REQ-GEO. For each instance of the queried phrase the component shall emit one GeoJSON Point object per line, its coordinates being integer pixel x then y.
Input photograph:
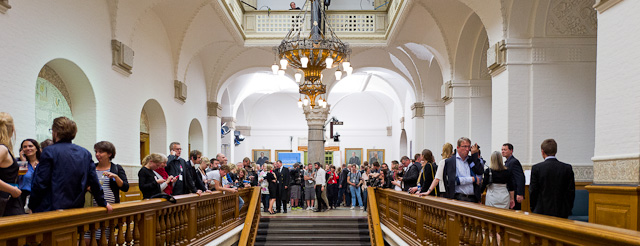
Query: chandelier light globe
{"type": "Point", "coordinates": [338, 74]}
{"type": "Point", "coordinates": [299, 103]}
{"type": "Point", "coordinates": [283, 63]}
{"type": "Point", "coordinates": [329, 62]}
{"type": "Point", "coordinates": [305, 102]}
{"type": "Point", "coordinates": [275, 68]}
{"type": "Point", "coordinates": [349, 70]}
{"type": "Point", "coordinates": [298, 77]}
{"type": "Point", "coordinates": [345, 65]}
{"type": "Point", "coordinates": [281, 72]}
{"type": "Point", "coordinates": [304, 61]}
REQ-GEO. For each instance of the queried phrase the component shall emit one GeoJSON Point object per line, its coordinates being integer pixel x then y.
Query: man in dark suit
{"type": "Point", "coordinates": [552, 187]}
{"type": "Point", "coordinates": [178, 167]}
{"type": "Point", "coordinates": [283, 178]}
{"type": "Point", "coordinates": [195, 158]}
{"type": "Point", "coordinates": [343, 186]}
{"type": "Point", "coordinates": [410, 178]}
{"type": "Point", "coordinates": [462, 173]}
{"type": "Point", "coordinates": [517, 174]}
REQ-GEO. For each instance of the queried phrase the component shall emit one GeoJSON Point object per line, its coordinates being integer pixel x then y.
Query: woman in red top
{"type": "Point", "coordinates": [332, 186]}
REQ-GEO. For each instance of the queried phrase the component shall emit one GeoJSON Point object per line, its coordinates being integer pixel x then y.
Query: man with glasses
{"type": "Point", "coordinates": [462, 173]}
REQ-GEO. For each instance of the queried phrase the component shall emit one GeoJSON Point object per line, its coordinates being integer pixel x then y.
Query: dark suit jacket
{"type": "Point", "coordinates": [118, 170]}
{"type": "Point", "coordinates": [449, 175]}
{"type": "Point", "coordinates": [342, 180]}
{"type": "Point", "coordinates": [517, 174]}
{"type": "Point", "coordinates": [196, 178]}
{"type": "Point", "coordinates": [176, 167]}
{"type": "Point", "coordinates": [552, 188]}
{"type": "Point", "coordinates": [411, 176]}
{"type": "Point", "coordinates": [283, 178]}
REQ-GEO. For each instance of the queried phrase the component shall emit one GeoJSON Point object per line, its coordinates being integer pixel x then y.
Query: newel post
{"type": "Point", "coordinates": [149, 221]}
{"type": "Point", "coordinates": [453, 229]}
{"type": "Point", "coordinates": [193, 222]}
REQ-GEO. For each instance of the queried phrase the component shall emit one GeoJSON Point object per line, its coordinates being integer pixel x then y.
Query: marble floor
{"type": "Point", "coordinates": [339, 212]}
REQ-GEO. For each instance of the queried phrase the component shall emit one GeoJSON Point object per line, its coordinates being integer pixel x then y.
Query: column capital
{"type": "Point", "coordinates": [418, 110]}
{"type": "Point", "coordinates": [231, 122]}
{"type": "Point", "coordinates": [316, 116]}
{"type": "Point", "coordinates": [214, 109]}
{"type": "Point", "coordinates": [122, 57]}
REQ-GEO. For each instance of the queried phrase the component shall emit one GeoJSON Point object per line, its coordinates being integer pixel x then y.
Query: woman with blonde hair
{"type": "Point", "coordinates": [271, 179]}
{"type": "Point", "coordinates": [499, 184]}
{"type": "Point", "coordinates": [447, 152]}
{"type": "Point", "coordinates": [149, 181]}
{"type": "Point", "coordinates": [9, 191]}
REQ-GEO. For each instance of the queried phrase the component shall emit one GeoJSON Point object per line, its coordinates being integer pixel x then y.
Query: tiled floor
{"type": "Point", "coordinates": [340, 212]}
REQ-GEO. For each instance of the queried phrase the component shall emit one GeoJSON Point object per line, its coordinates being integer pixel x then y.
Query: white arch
{"type": "Point", "coordinates": [157, 126]}
{"type": "Point", "coordinates": [196, 137]}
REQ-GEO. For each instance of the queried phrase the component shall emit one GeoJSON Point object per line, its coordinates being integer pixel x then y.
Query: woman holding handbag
{"type": "Point", "coordinates": [427, 175]}
{"type": "Point", "coordinates": [9, 192]}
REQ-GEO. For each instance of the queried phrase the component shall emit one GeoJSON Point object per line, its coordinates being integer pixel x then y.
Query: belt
{"type": "Point", "coordinates": [464, 195]}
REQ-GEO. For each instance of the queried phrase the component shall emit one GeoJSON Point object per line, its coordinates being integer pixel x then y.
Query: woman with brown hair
{"type": "Point", "coordinates": [111, 175]}
{"type": "Point", "coordinates": [447, 152]}
{"type": "Point", "coordinates": [9, 192]}
{"type": "Point", "coordinates": [30, 152]}
{"type": "Point", "coordinates": [428, 173]}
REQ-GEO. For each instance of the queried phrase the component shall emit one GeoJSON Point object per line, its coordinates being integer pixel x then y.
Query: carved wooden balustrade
{"type": "Point", "coordinates": [192, 220]}
{"type": "Point", "coordinates": [250, 229]}
{"type": "Point", "coordinates": [440, 221]}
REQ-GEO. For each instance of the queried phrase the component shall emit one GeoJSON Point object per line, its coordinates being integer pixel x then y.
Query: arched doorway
{"type": "Point", "coordinates": [196, 139]}
{"type": "Point", "coordinates": [153, 129]}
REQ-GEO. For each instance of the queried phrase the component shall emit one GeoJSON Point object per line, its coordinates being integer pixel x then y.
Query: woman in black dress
{"type": "Point", "coordinates": [8, 169]}
{"type": "Point", "coordinates": [271, 178]}
{"type": "Point", "coordinates": [149, 182]}
{"type": "Point", "coordinates": [428, 173]}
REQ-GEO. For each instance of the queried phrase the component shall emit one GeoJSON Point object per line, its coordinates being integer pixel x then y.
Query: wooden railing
{"type": "Point", "coordinates": [440, 221]}
{"type": "Point", "coordinates": [250, 229]}
{"type": "Point", "coordinates": [192, 220]}
{"type": "Point", "coordinates": [375, 233]}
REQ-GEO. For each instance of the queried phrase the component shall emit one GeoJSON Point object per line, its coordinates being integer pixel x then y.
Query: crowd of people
{"type": "Point", "coordinates": [60, 175]}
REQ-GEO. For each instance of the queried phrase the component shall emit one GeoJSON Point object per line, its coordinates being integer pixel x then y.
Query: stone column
{"type": "Point", "coordinates": [468, 112]}
{"type": "Point", "coordinates": [214, 110]}
{"type": "Point", "coordinates": [316, 117]}
{"type": "Point", "coordinates": [614, 199]}
{"type": "Point", "coordinates": [228, 139]}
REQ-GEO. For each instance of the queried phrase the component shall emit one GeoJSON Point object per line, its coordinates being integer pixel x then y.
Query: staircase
{"type": "Point", "coordinates": [313, 231]}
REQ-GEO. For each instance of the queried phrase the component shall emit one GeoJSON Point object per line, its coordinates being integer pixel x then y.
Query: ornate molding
{"type": "Point", "coordinates": [245, 130]}
{"type": "Point", "coordinates": [180, 90]}
{"type": "Point", "coordinates": [418, 110]}
{"type": "Point", "coordinates": [571, 18]}
{"type": "Point", "coordinates": [231, 122]}
{"type": "Point", "coordinates": [316, 116]}
{"type": "Point", "coordinates": [583, 173]}
{"type": "Point", "coordinates": [603, 5]}
{"type": "Point", "coordinates": [4, 6]}
{"type": "Point", "coordinates": [616, 170]}
{"type": "Point", "coordinates": [389, 131]}
{"type": "Point", "coordinates": [52, 76]}
{"type": "Point", "coordinates": [446, 91]}
{"type": "Point", "coordinates": [563, 54]}
{"type": "Point", "coordinates": [214, 109]}
{"type": "Point", "coordinates": [122, 57]}
{"type": "Point", "coordinates": [497, 58]}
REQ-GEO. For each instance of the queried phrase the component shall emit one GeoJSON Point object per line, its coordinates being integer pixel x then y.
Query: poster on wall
{"type": "Point", "coordinates": [353, 156]}
{"type": "Point", "coordinates": [375, 155]}
{"type": "Point", "coordinates": [278, 152]}
{"type": "Point", "coordinates": [260, 156]}
{"type": "Point", "coordinates": [288, 158]}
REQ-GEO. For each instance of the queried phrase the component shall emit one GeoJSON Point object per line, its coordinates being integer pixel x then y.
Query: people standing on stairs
{"type": "Point", "coordinates": [343, 187]}
{"type": "Point", "coordinates": [296, 184]}
{"type": "Point", "coordinates": [282, 193]}
{"type": "Point", "coordinates": [264, 189]}
{"type": "Point", "coordinates": [309, 187]}
{"type": "Point", "coordinates": [513, 164]}
{"type": "Point", "coordinates": [271, 179]}
{"type": "Point", "coordinates": [332, 187]}
{"type": "Point", "coordinates": [321, 182]}
{"type": "Point", "coordinates": [498, 183]}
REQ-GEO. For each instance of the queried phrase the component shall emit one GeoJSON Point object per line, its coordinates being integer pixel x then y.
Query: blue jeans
{"type": "Point", "coordinates": [240, 202]}
{"type": "Point", "coordinates": [355, 192]}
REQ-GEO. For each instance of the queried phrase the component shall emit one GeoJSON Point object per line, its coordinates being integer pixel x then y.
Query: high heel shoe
{"type": "Point", "coordinates": [271, 212]}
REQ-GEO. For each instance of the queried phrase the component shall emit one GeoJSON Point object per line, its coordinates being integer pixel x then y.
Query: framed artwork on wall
{"type": "Point", "coordinates": [261, 155]}
{"type": "Point", "coordinates": [374, 155]}
{"type": "Point", "coordinates": [278, 152]}
{"type": "Point", "coordinates": [353, 156]}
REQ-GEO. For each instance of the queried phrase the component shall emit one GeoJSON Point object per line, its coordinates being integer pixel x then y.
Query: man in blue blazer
{"type": "Point", "coordinates": [552, 187]}
{"type": "Point", "coordinates": [463, 173]}
{"type": "Point", "coordinates": [517, 174]}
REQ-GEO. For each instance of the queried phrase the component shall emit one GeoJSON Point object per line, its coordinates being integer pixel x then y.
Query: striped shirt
{"type": "Point", "coordinates": [104, 183]}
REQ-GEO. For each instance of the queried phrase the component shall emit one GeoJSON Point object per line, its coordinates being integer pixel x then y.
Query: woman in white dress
{"type": "Point", "coordinates": [499, 184]}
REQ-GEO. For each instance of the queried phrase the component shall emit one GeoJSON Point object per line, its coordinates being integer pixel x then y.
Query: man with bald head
{"type": "Point", "coordinates": [222, 158]}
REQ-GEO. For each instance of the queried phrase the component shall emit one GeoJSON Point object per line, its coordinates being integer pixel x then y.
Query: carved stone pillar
{"type": "Point", "coordinates": [316, 117]}
{"type": "Point", "coordinates": [214, 110]}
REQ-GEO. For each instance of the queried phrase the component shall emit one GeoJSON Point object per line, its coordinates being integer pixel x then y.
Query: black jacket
{"type": "Point", "coordinates": [176, 167]}
{"type": "Point", "coordinates": [552, 188]}
{"type": "Point", "coordinates": [517, 174]}
{"type": "Point", "coordinates": [118, 170]}
{"type": "Point", "coordinates": [449, 175]}
{"type": "Point", "coordinates": [196, 177]}
{"type": "Point", "coordinates": [283, 178]}
{"type": "Point", "coordinates": [410, 178]}
{"type": "Point", "coordinates": [428, 174]}
{"type": "Point", "coordinates": [342, 180]}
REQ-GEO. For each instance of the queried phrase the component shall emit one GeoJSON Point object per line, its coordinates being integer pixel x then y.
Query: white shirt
{"type": "Point", "coordinates": [320, 177]}
{"type": "Point", "coordinates": [439, 174]}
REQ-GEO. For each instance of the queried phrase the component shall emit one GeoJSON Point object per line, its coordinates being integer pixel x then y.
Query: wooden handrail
{"type": "Point", "coordinates": [440, 221]}
{"type": "Point", "coordinates": [375, 232]}
{"type": "Point", "coordinates": [250, 229]}
{"type": "Point", "coordinates": [192, 220]}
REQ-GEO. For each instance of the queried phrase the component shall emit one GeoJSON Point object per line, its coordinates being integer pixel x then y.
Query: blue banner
{"type": "Point", "coordinates": [288, 158]}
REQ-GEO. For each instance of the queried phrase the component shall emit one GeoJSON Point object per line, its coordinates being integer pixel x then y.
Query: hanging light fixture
{"type": "Point", "coordinates": [299, 103]}
{"type": "Point", "coordinates": [338, 74]}
{"type": "Point", "coordinates": [298, 77]}
{"type": "Point", "coordinates": [313, 52]}
{"type": "Point", "coordinates": [275, 68]}
{"type": "Point", "coordinates": [349, 70]}
{"type": "Point", "coordinates": [281, 72]}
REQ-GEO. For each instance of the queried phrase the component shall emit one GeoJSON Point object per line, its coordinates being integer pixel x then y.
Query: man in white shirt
{"type": "Point", "coordinates": [321, 182]}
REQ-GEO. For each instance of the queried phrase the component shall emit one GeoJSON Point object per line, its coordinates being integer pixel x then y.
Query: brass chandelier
{"type": "Point", "coordinates": [311, 54]}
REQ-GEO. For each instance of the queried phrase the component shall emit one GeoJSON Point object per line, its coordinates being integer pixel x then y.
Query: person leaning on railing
{"type": "Point", "coordinates": [149, 181]}
{"type": "Point", "coordinates": [64, 172]}
{"type": "Point", "coordinates": [447, 151]}
{"type": "Point", "coordinates": [9, 192]}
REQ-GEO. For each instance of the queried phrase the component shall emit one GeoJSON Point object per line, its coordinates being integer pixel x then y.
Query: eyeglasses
{"type": "Point", "coordinates": [465, 146]}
